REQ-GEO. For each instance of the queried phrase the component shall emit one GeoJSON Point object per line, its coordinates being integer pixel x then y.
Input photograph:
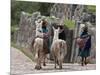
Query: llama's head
{"type": "Point", "coordinates": [56, 33]}
{"type": "Point", "coordinates": [39, 24]}
{"type": "Point", "coordinates": [39, 28]}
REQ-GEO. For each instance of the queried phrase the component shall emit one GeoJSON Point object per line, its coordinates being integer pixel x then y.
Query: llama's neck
{"type": "Point", "coordinates": [38, 33]}
{"type": "Point", "coordinates": [55, 37]}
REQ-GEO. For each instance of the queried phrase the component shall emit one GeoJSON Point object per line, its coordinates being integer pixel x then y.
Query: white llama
{"type": "Point", "coordinates": [58, 48]}
{"type": "Point", "coordinates": [38, 46]}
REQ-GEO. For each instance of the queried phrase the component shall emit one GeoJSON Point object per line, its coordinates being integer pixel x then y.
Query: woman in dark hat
{"type": "Point", "coordinates": [62, 32]}
{"type": "Point", "coordinates": [85, 51]}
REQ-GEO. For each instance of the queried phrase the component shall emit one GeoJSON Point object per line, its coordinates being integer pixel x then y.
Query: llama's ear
{"type": "Point", "coordinates": [36, 22]}
{"type": "Point", "coordinates": [58, 28]}
{"type": "Point", "coordinates": [41, 22]}
{"type": "Point", "coordinates": [53, 28]}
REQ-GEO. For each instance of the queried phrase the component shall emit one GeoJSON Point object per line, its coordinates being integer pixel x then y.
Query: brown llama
{"type": "Point", "coordinates": [40, 53]}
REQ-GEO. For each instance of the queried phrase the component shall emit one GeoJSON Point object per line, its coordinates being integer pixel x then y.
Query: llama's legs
{"type": "Point", "coordinates": [44, 64]}
{"type": "Point", "coordinates": [55, 60]}
{"type": "Point", "coordinates": [38, 65]}
{"type": "Point", "coordinates": [60, 66]}
{"type": "Point", "coordinates": [60, 62]}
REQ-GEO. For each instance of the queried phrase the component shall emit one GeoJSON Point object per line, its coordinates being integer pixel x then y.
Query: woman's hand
{"type": "Point", "coordinates": [45, 35]}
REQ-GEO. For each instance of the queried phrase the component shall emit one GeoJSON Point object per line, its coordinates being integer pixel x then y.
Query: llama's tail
{"type": "Point", "coordinates": [63, 47]}
{"type": "Point", "coordinates": [36, 51]}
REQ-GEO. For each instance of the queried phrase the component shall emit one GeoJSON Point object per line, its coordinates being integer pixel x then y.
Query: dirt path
{"type": "Point", "coordinates": [21, 64]}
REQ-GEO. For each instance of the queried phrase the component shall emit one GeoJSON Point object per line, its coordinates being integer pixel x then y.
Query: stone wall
{"type": "Point", "coordinates": [26, 31]}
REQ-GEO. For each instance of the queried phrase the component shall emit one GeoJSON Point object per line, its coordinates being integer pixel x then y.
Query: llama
{"type": "Point", "coordinates": [58, 49]}
{"type": "Point", "coordinates": [38, 34]}
{"type": "Point", "coordinates": [40, 54]}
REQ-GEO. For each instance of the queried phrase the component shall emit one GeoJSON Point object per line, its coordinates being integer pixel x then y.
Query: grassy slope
{"type": "Point", "coordinates": [27, 52]}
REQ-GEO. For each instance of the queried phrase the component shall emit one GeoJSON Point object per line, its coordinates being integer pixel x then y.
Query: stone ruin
{"type": "Point", "coordinates": [26, 31]}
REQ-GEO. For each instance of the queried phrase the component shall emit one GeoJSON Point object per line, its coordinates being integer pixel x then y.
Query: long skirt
{"type": "Point", "coordinates": [84, 52]}
{"type": "Point", "coordinates": [46, 45]}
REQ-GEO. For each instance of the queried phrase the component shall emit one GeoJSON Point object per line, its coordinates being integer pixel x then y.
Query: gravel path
{"type": "Point", "coordinates": [21, 64]}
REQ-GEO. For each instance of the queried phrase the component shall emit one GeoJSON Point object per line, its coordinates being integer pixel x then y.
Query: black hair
{"type": "Point", "coordinates": [85, 29]}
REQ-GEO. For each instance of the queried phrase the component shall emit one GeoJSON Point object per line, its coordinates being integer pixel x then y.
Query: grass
{"type": "Point", "coordinates": [91, 8]}
{"type": "Point", "coordinates": [14, 28]}
{"type": "Point", "coordinates": [27, 52]}
{"type": "Point", "coordinates": [70, 24]}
